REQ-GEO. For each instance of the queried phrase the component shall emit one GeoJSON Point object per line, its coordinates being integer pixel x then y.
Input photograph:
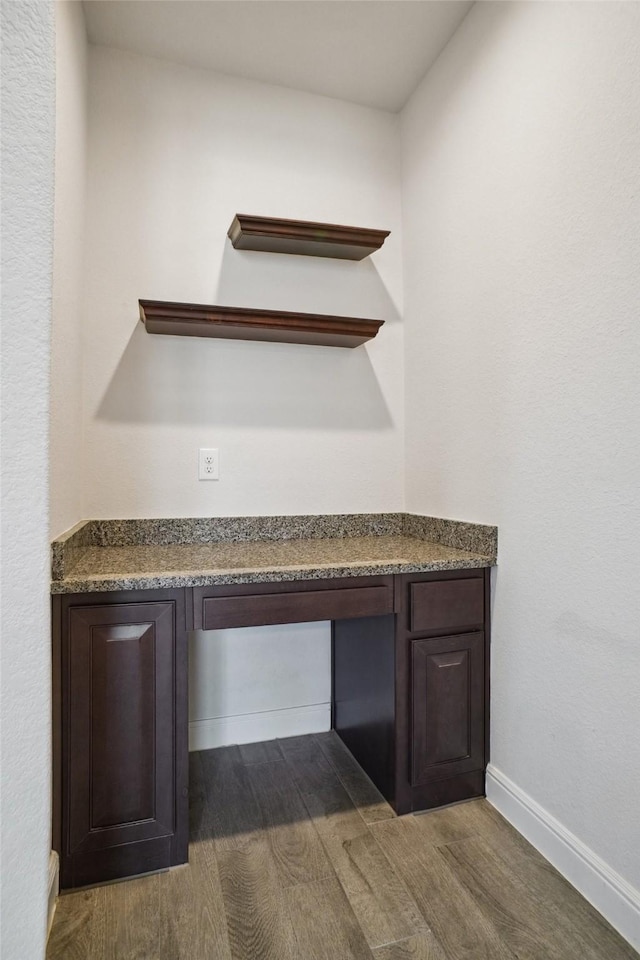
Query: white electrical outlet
{"type": "Point", "coordinates": [208, 464]}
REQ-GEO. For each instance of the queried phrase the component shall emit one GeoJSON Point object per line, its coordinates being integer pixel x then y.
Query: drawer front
{"type": "Point", "coordinates": [441, 605]}
{"type": "Point", "coordinates": [218, 613]}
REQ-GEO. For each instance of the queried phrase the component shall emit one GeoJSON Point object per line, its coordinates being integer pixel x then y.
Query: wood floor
{"type": "Point", "coordinates": [295, 856]}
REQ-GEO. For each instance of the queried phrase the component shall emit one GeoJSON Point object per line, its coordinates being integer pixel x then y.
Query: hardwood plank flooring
{"type": "Point", "coordinates": [384, 908]}
{"type": "Point", "coordinates": [295, 856]}
{"type": "Point", "coordinates": [260, 752]}
{"type": "Point", "coordinates": [365, 796]}
{"type": "Point", "coordinates": [132, 919]}
{"type": "Point", "coordinates": [423, 947]}
{"type": "Point", "coordinates": [326, 927]}
{"type": "Point", "coordinates": [464, 932]}
{"type": "Point", "coordinates": [472, 819]}
{"type": "Point", "coordinates": [231, 816]}
{"type": "Point", "coordinates": [520, 918]}
{"type": "Point", "coordinates": [192, 910]}
{"type": "Point", "coordinates": [73, 932]}
{"type": "Point", "coordinates": [258, 920]}
{"type": "Point", "coordinates": [295, 845]}
{"type": "Point", "coordinates": [575, 918]}
{"type": "Point", "coordinates": [198, 803]}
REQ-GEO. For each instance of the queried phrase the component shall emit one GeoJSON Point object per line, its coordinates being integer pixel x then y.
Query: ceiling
{"type": "Point", "coordinates": [372, 52]}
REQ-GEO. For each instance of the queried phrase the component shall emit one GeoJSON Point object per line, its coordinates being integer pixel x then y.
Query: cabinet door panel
{"type": "Point", "coordinates": [122, 772]}
{"type": "Point", "coordinates": [447, 679]}
{"type": "Point", "coordinates": [121, 776]}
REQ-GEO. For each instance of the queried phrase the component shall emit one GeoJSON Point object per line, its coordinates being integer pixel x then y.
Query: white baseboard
{"type": "Point", "coordinates": [54, 872]}
{"type": "Point", "coordinates": [605, 889]}
{"type": "Point", "coordinates": [251, 727]}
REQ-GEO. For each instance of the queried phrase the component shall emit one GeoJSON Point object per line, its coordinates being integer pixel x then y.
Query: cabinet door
{"type": "Point", "coordinates": [123, 747]}
{"type": "Point", "coordinates": [447, 689]}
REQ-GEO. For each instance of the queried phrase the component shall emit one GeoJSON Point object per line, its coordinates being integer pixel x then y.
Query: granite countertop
{"type": "Point", "coordinates": [109, 555]}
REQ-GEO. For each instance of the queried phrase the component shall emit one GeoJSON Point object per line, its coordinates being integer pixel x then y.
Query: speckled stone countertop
{"type": "Point", "coordinates": [102, 555]}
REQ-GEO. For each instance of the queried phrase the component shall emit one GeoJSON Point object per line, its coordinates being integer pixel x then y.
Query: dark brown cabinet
{"type": "Point", "coordinates": [124, 786]}
{"type": "Point", "coordinates": [447, 707]}
{"type": "Point", "coordinates": [436, 606]}
{"type": "Point", "coordinates": [410, 700]}
{"type": "Point", "coordinates": [249, 605]}
{"type": "Point", "coordinates": [411, 697]}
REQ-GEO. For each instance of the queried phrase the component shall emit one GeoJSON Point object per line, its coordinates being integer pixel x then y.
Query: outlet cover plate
{"type": "Point", "coordinates": [208, 464]}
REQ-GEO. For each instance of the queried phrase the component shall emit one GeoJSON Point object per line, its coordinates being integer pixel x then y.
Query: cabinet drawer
{"type": "Point", "coordinates": [446, 604]}
{"type": "Point", "coordinates": [289, 606]}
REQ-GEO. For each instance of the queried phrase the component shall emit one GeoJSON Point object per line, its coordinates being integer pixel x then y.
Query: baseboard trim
{"type": "Point", "coordinates": [251, 727]}
{"type": "Point", "coordinates": [54, 886]}
{"type": "Point", "coordinates": [605, 889]}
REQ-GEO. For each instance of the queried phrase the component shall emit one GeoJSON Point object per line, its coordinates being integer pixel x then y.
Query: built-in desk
{"type": "Point", "coordinates": [410, 661]}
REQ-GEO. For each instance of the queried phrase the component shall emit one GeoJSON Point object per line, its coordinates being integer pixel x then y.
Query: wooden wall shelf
{"type": "Point", "coordinates": [239, 323]}
{"type": "Point", "coordinates": [272, 235]}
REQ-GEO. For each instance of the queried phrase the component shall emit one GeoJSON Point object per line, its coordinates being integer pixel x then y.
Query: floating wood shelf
{"type": "Point", "coordinates": [238, 323]}
{"type": "Point", "coordinates": [272, 235]}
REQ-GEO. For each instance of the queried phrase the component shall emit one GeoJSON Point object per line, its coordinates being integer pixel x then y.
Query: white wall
{"type": "Point", "coordinates": [66, 341]}
{"type": "Point", "coordinates": [522, 267]}
{"type": "Point", "coordinates": [173, 154]}
{"type": "Point", "coordinates": [259, 683]}
{"type": "Point", "coordinates": [28, 100]}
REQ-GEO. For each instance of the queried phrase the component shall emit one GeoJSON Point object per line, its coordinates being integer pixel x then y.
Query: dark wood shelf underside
{"type": "Point", "coordinates": [239, 323]}
{"type": "Point", "coordinates": [272, 235]}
